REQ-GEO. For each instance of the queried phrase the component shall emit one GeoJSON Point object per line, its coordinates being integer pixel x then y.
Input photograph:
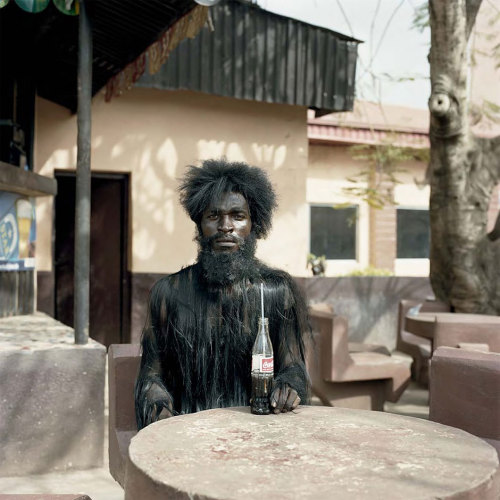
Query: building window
{"type": "Point", "coordinates": [413, 233]}
{"type": "Point", "coordinates": [333, 232]}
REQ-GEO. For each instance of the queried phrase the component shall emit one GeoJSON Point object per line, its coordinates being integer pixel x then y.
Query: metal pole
{"type": "Point", "coordinates": [82, 207]}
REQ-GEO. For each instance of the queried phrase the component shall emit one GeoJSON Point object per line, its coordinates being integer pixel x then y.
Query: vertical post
{"type": "Point", "coordinates": [82, 208]}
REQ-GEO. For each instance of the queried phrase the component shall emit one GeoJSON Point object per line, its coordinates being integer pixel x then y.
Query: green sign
{"type": "Point", "coordinates": [68, 7]}
{"type": "Point", "coordinates": [33, 6]}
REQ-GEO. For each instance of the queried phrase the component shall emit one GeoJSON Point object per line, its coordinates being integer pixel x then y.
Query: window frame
{"type": "Point", "coordinates": [356, 229]}
{"type": "Point", "coordinates": [414, 208]}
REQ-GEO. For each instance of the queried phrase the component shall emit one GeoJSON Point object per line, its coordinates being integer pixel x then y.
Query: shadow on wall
{"type": "Point", "coordinates": [370, 303]}
{"type": "Point", "coordinates": [154, 135]}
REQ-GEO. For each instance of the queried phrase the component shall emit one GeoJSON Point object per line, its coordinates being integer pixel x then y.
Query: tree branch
{"type": "Point", "coordinates": [494, 234]}
{"type": "Point", "coordinates": [444, 108]}
{"type": "Point", "coordinates": [494, 160]}
{"type": "Point", "coordinates": [471, 9]}
{"type": "Point", "coordinates": [495, 151]}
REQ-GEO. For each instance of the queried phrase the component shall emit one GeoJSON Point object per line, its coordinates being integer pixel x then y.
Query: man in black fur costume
{"type": "Point", "coordinates": [202, 322]}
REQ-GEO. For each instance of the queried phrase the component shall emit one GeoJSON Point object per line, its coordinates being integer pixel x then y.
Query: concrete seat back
{"type": "Point", "coordinates": [465, 391]}
{"type": "Point", "coordinates": [402, 343]}
{"type": "Point", "coordinates": [340, 375]}
{"type": "Point", "coordinates": [434, 306]}
{"type": "Point", "coordinates": [451, 334]}
{"type": "Point", "coordinates": [123, 366]}
{"type": "Point", "coordinates": [417, 347]}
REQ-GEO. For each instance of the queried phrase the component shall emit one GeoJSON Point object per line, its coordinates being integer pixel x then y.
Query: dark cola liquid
{"type": "Point", "coordinates": [261, 393]}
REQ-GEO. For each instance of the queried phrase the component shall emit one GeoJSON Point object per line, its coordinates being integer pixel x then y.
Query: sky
{"type": "Point", "coordinates": [391, 50]}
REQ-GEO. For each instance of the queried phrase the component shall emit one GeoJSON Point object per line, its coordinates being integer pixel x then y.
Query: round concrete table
{"type": "Point", "coordinates": [315, 453]}
{"type": "Point", "coordinates": [422, 324]}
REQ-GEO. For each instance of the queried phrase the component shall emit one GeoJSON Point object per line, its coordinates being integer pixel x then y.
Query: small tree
{"type": "Point", "coordinates": [375, 185]}
{"type": "Point", "coordinates": [463, 171]}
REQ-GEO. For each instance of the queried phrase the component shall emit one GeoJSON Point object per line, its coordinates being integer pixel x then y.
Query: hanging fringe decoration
{"type": "Point", "coordinates": [126, 78]}
{"type": "Point", "coordinates": [186, 27]}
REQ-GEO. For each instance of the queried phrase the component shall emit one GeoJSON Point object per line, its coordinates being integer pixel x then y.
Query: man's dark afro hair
{"type": "Point", "coordinates": [203, 185]}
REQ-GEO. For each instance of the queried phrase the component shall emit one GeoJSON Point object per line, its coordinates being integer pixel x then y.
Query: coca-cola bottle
{"type": "Point", "coordinates": [262, 370]}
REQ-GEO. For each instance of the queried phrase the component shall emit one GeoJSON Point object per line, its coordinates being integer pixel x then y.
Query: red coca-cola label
{"type": "Point", "coordinates": [267, 365]}
{"type": "Point", "coordinates": [262, 364]}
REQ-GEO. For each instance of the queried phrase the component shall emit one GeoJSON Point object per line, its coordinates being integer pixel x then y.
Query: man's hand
{"type": "Point", "coordinates": [163, 406]}
{"type": "Point", "coordinates": [284, 399]}
{"type": "Point", "coordinates": [165, 412]}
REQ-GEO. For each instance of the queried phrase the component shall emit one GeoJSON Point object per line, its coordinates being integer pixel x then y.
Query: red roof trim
{"type": "Point", "coordinates": [357, 135]}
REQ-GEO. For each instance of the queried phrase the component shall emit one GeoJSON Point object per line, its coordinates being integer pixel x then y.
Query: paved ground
{"type": "Point", "coordinates": [99, 485]}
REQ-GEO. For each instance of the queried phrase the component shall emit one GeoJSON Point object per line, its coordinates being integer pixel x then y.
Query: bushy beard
{"type": "Point", "coordinates": [226, 268]}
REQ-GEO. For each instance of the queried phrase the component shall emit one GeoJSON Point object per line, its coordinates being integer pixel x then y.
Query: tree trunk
{"type": "Point", "coordinates": [464, 170]}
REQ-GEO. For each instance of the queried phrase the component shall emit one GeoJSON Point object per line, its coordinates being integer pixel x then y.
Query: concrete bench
{"type": "Point", "coordinates": [465, 391]}
{"type": "Point", "coordinates": [364, 379]}
{"type": "Point", "coordinates": [417, 347]}
{"type": "Point", "coordinates": [353, 346]}
{"type": "Point", "coordinates": [485, 335]}
{"type": "Point", "coordinates": [123, 366]}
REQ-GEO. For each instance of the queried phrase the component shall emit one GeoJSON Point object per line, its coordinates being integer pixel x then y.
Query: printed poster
{"type": "Point", "coordinates": [17, 232]}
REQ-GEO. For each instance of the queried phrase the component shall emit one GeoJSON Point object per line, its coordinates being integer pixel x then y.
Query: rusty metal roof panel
{"type": "Point", "coordinates": [257, 55]}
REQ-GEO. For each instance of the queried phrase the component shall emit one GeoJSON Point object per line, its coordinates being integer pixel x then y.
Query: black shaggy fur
{"type": "Point", "coordinates": [202, 321]}
{"type": "Point", "coordinates": [202, 185]}
{"type": "Point", "coordinates": [197, 345]}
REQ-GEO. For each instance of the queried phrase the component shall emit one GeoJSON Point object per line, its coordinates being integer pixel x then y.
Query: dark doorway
{"type": "Point", "coordinates": [109, 284]}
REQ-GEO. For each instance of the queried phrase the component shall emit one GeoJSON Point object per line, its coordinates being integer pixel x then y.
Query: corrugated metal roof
{"type": "Point", "coordinates": [257, 55]}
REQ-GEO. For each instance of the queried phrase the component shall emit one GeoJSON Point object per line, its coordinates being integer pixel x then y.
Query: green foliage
{"type": "Point", "coordinates": [370, 271]}
{"type": "Point", "coordinates": [491, 111]}
{"type": "Point", "coordinates": [421, 17]}
{"type": "Point", "coordinates": [486, 111]}
{"type": "Point", "coordinates": [493, 22]}
{"type": "Point", "coordinates": [398, 79]}
{"type": "Point", "coordinates": [311, 258]}
{"type": "Point", "coordinates": [375, 184]}
{"type": "Point", "coordinates": [317, 264]}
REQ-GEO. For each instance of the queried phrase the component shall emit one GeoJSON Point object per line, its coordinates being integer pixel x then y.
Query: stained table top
{"type": "Point", "coordinates": [316, 452]}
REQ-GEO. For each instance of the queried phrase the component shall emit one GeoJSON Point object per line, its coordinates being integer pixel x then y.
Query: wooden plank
{"type": "Point", "coordinates": [17, 180]}
{"type": "Point", "coordinates": [8, 293]}
{"type": "Point", "coordinates": [17, 293]}
{"type": "Point", "coordinates": [26, 293]}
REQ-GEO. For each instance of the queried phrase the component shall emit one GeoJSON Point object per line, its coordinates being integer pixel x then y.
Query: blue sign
{"type": "Point", "coordinates": [17, 232]}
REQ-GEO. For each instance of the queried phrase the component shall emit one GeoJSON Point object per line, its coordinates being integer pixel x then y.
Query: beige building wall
{"type": "Point", "coordinates": [484, 81]}
{"type": "Point", "coordinates": [153, 135]}
{"type": "Point", "coordinates": [329, 168]}
{"type": "Point", "coordinates": [412, 193]}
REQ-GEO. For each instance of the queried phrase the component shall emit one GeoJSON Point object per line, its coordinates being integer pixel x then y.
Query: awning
{"type": "Point", "coordinates": [250, 53]}
{"type": "Point", "coordinates": [122, 31]}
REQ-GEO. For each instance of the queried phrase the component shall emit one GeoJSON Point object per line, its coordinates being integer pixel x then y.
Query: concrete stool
{"type": "Point", "coordinates": [123, 365]}
{"type": "Point", "coordinates": [465, 391]}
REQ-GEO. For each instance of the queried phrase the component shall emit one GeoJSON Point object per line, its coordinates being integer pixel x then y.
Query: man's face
{"type": "Point", "coordinates": [228, 221]}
